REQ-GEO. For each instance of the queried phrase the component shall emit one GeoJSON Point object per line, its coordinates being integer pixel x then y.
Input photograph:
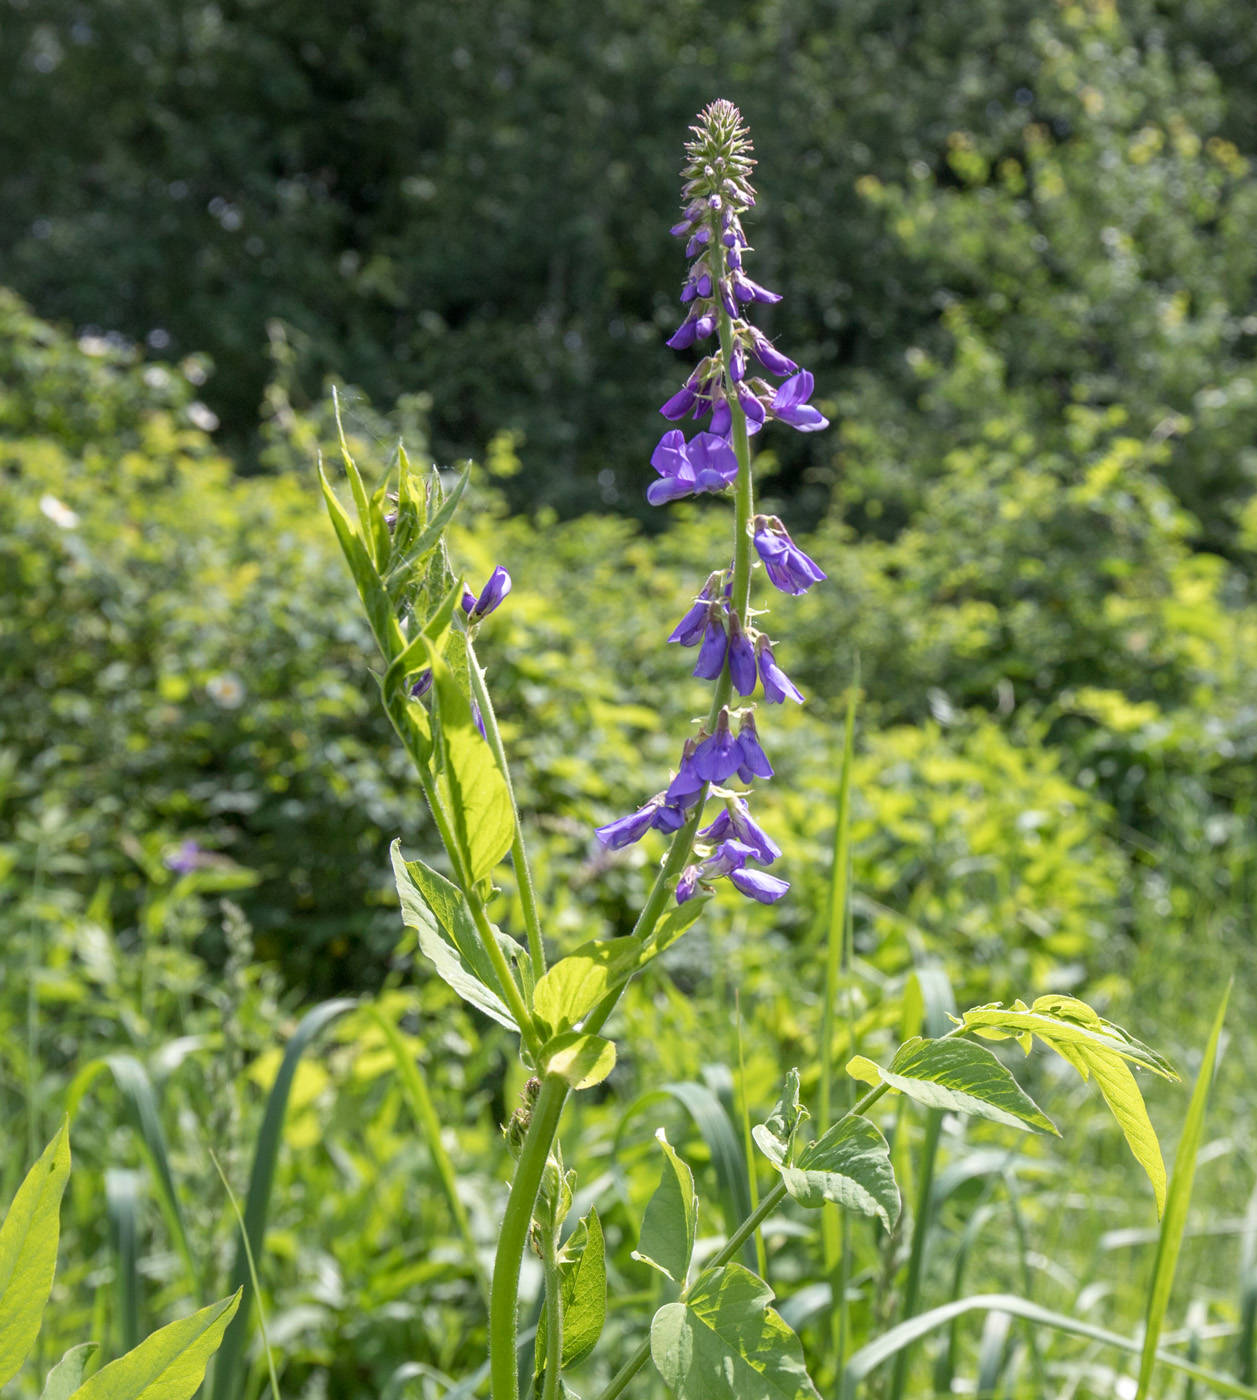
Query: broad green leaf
{"type": "Point", "coordinates": [453, 971]}
{"type": "Point", "coordinates": [170, 1364]}
{"type": "Point", "coordinates": [483, 817]}
{"type": "Point", "coordinates": [582, 1060]}
{"type": "Point", "coordinates": [725, 1343]}
{"type": "Point", "coordinates": [583, 1286]}
{"type": "Point", "coordinates": [1175, 1221]}
{"type": "Point", "coordinates": [67, 1375]}
{"type": "Point", "coordinates": [964, 1078]}
{"type": "Point", "coordinates": [850, 1166]}
{"type": "Point", "coordinates": [864, 1071]}
{"type": "Point", "coordinates": [28, 1252]}
{"type": "Point", "coordinates": [667, 1239]}
{"type": "Point", "coordinates": [775, 1136]}
{"type": "Point", "coordinates": [429, 901]}
{"type": "Point", "coordinates": [678, 921]}
{"type": "Point", "coordinates": [1060, 1021]}
{"type": "Point", "coordinates": [577, 983]}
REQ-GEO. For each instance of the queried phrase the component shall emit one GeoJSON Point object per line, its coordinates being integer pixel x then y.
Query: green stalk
{"type": "Point", "coordinates": [554, 1315]}
{"type": "Point", "coordinates": [920, 1229]}
{"type": "Point", "coordinates": [516, 1224]}
{"type": "Point", "coordinates": [519, 856]}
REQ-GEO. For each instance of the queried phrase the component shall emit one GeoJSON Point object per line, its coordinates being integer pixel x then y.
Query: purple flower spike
{"type": "Point", "coordinates": [623, 832]}
{"type": "Point", "coordinates": [711, 655]}
{"type": "Point", "coordinates": [753, 761]}
{"type": "Point", "coordinates": [680, 403]}
{"type": "Point", "coordinates": [718, 757]}
{"type": "Point", "coordinates": [790, 405]}
{"type": "Point", "coordinates": [741, 658]}
{"type": "Point", "coordinates": [777, 685]}
{"type": "Point", "coordinates": [759, 885]}
{"type": "Point", "coordinates": [789, 568]}
{"type": "Point", "coordinates": [687, 885]}
{"type": "Point", "coordinates": [498, 586]}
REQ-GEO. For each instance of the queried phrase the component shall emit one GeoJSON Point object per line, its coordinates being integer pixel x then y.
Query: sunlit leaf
{"type": "Point", "coordinates": [667, 1238]}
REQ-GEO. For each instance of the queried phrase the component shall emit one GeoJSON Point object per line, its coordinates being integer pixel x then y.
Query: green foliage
{"type": "Point", "coordinates": [28, 1252]}
{"type": "Point", "coordinates": [583, 1273]}
{"type": "Point", "coordinates": [724, 1342]}
{"type": "Point", "coordinates": [667, 1237]}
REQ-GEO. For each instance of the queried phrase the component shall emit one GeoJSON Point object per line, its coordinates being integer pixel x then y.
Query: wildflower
{"type": "Point", "coordinates": [759, 885]}
{"type": "Point", "coordinates": [735, 820]}
{"type": "Point", "coordinates": [186, 859]}
{"type": "Point", "coordinates": [626, 830]}
{"type": "Point", "coordinates": [705, 464]}
{"type": "Point", "coordinates": [424, 684]}
{"type": "Point", "coordinates": [711, 655]}
{"type": "Point", "coordinates": [687, 885]}
{"type": "Point", "coordinates": [225, 691]}
{"type": "Point", "coordinates": [718, 757]}
{"type": "Point", "coordinates": [777, 685]}
{"type": "Point", "coordinates": [498, 586]}
{"type": "Point", "coordinates": [741, 657]}
{"type": "Point", "coordinates": [790, 405]}
{"type": "Point", "coordinates": [753, 762]}
{"type": "Point", "coordinates": [685, 787]}
{"type": "Point", "coordinates": [789, 568]}
{"type": "Point", "coordinates": [690, 629]}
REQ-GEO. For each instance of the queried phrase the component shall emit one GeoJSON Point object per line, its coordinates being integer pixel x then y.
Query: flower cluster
{"type": "Point", "coordinates": [729, 385]}
{"type": "Point", "coordinates": [476, 610]}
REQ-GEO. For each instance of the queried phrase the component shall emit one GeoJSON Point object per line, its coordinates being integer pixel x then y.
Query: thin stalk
{"type": "Point", "coordinates": [554, 1316]}
{"type": "Point", "coordinates": [920, 1229]}
{"type": "Point", "coordinates": [761, 1254]}
{"type": "Point", "coordinates": [253, 1275]}
{"type": "Point", "coordinates": [519, 856]}
{"type": "Point", "coordinates": [516, 1224]}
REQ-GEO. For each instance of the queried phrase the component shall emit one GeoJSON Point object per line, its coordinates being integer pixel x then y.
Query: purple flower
{"type": "Point", "coordinates": [777, 685]}
{"type": "Point", "coordinates": [498, 586]}
{"type": "Point", "coordinates": [746, 290]}
{"type": "Point", "coordinates": [422, 685]}
{"type": "Point", "coordinates": [687, 885]}
{"type": "Point", "coordinates": [624, 831]}
{"type": "Point", "coordinates": [478, 718]}
{"type": "Point", "coordinates": [186, 859]}
{"type": "Point", "coordinates": [727, 298]}
{"type": "Point", "coordinates": [684, 789]}
{"type": "Point", "coordinates": [737, 366]}
{"type": "Point", "coordinates": [752, 760]}
{"type": "Point", "coordinates": [694, 327]}
{"type": "Point", "coordinates": [769, 356]}
{"type": "Point", "coordinates": [735, 820]}
{"type": "Point", "coordinates": [741, 658]}
{"type": "Point", "coordinates": [730, 855]}
{"type": "Point", "coordinates": [670, 818]}
{"type": "Point", "coordinates": [691, 626]}
{"type": "Point", "coordinates": [790, 405]}
{"type": "Point", "coordinates": [718, 757]}
{"type": "Point", "coordinates": [711, 655]}
{"type": "Point", "coordinates": [722, 417]}
{"type": "Point", "coordinates": [759, 885]}
{"type": "Point", "coordinates": [789, 568]}
{"type": "Point", "coordinates": [680, 403]}
{"type": "Point", "coordinates": [751, 405]}
{"type": "Point", "coordinates": [705, 463]}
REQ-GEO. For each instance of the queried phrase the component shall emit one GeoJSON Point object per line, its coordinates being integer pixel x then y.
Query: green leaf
{"type": "Point", "coordinates": [964, 1078]}
{"type": "Point", "coordinates": [667, 1239]}
{"type": "Point", "coordinates": [680, 920]}
{"type": "Point", "coordinates": [170, 1364]}
{"type": "Point", "coordinates": [1096, 1048]}
{"type": "Point", "coordinates": [725, 1343]}
{"type": "Point", "coordinates": [850, 1166]}
{"type": "Point", "coordinates": [1175, 1221]}
{"type": "Point", "coordinates": [775, 1136]}
{"type": "Point", "coordinates": [582, 1060]}
{"type": "Point", "coordinates": [28, 1252]}
{"type": "Point", "coordinates": [577, 983]}
{"type": "Point", "coordinates": [448, 937]}
{"type": "Point", "coordinates": [583, 1287]}
{"type": "Point", "coordinates": [67, 1375]}
{"type": "Point", "coordinates": [435, 528]}
{"type": "Point", "coordinates": [375, 599]}
{"type": "Point", "coordinates": [484, 820]}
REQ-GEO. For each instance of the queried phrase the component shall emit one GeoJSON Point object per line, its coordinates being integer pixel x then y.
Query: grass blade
{"type": "Point", "coordinates": [889, 1344]}
{"type": "Point", "coordinates": [1176, 1203]}
{"type": "Point", "coordinates": [227, 1364]}
{"type": "Point", "coordinates": [122, 1207]}
{"type": "Point", "coordinates": [253, 1276]}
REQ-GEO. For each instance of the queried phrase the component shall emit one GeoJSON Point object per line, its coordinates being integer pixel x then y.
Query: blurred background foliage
{"type": "Point", "coordinates": [1016, 246]}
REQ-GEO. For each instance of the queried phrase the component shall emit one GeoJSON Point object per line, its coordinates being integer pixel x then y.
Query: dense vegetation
{"type": "Point", "coordinates": [1020, 259]}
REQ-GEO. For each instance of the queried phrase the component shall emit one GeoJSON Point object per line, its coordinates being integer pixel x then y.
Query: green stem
{"type": "Point", "coordinates": [519, 856]}
{"type": "Point", "coordinates": [920, 1229]}
{"type": "Point", "coordinates": [513, 1240]}
{"type": "Point", "coordinates": [554, 1316]}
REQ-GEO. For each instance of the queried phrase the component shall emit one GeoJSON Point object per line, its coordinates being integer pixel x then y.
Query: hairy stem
{"type": "Point", "coordinates": [519, 856]}
{"type": "Point", "coordinates": [554, 1315]}
{"type": "Point", "coordinates": [513, 1240]}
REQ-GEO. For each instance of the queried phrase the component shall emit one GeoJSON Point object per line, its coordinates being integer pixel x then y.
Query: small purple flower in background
{"type": "Point", "coordinates": [424, 684]}
{"type": "Point", "coordinates": [777, 685]}
{"type": "Point", "coordinates": [498, 586]}
{"type": "Point", "coordinates": [788, 567]}
{"type": "Point", "coordinates": [186, 859]}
